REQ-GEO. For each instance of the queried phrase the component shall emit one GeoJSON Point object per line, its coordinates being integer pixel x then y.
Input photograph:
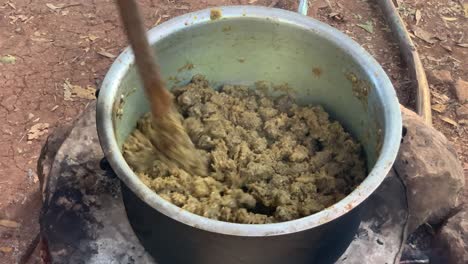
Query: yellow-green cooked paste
{"type": "Point", "coordinates": [268, 159]}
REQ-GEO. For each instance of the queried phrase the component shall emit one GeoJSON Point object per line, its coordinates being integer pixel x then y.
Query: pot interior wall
{"type": "Point", "coordinates": [244, 50]}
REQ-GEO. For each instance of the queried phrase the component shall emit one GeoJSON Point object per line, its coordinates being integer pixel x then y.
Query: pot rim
{"type": "Point", "coordinates": [377, 76]}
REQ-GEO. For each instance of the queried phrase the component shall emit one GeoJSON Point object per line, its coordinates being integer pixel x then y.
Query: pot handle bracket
{"type": "Point", "coordinates": [303, 7]}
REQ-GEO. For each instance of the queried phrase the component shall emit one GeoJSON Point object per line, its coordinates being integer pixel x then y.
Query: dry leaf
{"type": "Point", "coordinates": [253, 1]}
{"type": "Point", "coordinates": [54, 108]}
{"type": "Point", "coordinates": [417, 16]}
{"type": "Point", "coordinates": [71, 91]}
{"type": "Point", "coordinates": [87, 93]}
{"type": "Point", "coordinates": [357, 16]}
{"type": "Point", "coordinates": [454, 59]}
{"type": "Point", "coordinates": [465, 9]}
{"type": "Point", "coordinates": [440, 108]}
{"type": "Point", "coordinates": [336, 15]}
{"type": "Point", "coordinates": [439, 98]}
{"type": "Point", "coordinates": [92, 37]}
{"type": "Point", "coordinates": [424, 35]}
{"type": "Point", "coordinates": [89, 37]}
{"type": "Point", "coordinates": [11, 5]}
{"type": "Point", "coordinates": [22, 18]}
{"type": "Point", "coordinates": [157, 21]}
{"type": "Point", "coordinates": [38, 130]}
{"type": "Point", "coordinates": [433, 59]}
{"type": "Point", "coordinates": [447, 48]}
{"type": "Point", "coordinates": [6, 249]}
{"type": "Point", "coordinates": [449, 18]}
{"type": "Point", "coordinates": [8, 59]}
{"type": "Point", "coordinates": [57, 7]}
{"type": "Point", "coordinates": [439, 37]}
{"type": "Point", "coordinates": [463, 45]}
{"type": "Point", "coordinates": [29, 19]}
{"type": "Point", "coordinates": [41, 40]}
{"type": "Point", "coordinates": [67, 94]}
{"type": "Point", "coordinates": [9, 223]}
{"type": "Point", "coordinates": [53, 7]}
{"type": "Point", "coordinates": [106, 54]}
{"type": "Point", "coordinates": [449, 120]}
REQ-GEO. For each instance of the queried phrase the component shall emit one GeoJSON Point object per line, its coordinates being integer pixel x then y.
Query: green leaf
{"type": "Point", "coordinates": [8, 59]}
{"type": "Point", "coordinates": [368, 26]}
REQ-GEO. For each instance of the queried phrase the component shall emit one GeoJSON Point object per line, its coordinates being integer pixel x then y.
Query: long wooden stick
{"type": "Point", "coordinates": [167, 132]}
{"type": "Point", "coordinates": [411, 57]}
{"type": "Point", "coordinates": [160, 98]}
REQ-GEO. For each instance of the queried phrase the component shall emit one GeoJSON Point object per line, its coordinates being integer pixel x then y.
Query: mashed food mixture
{"type": "Point", "coordinates": [269, 160]}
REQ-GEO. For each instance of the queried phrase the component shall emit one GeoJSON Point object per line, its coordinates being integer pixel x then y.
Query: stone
{"type": "Point", "coordinates": [461, 91]}
{"type": "Point", "coordinates": [451, 242]}
{"type": "Point", "coordinates": [462, 111]}
{"type": "Point", "coordinates": [72, 179]}
{"type": "Point", "coordinates": [441, 76]}
{"type": "Point", "coordinates": [9, 102]}
{"type": "Point", "coordinates": [48, 152]}
{"type": "Point", "coordinates": [429, 166]}
{"type": "Point", "coordinates": [387, 216]}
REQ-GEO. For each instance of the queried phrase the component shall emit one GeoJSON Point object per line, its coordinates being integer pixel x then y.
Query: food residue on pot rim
{"type": "Point", "coordinates": [215, 14]}
{"type": "Point", "coordinates": [120, 104]}
{"type": "Point", "coordinates": [268, 159]}
{"type": "Point", "coordinates": [226, 29]}
{"type": "Point", "coordinates": [186, 67]}
{"type": "Point", "coordinates": [317, 71]}
{"type": "Point", "coordinates": [361, 88]}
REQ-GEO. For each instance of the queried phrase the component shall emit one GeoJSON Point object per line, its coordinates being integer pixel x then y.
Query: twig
{"type": "Point", "coordinates": [411, 57]}
{"type": "Point", "coordinates": [22, 137]}
{"type": "Point", "coordinates": [70, 5]}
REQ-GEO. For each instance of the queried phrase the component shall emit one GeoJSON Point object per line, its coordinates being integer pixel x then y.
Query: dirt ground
{"type": "Point", "coordinates": [55, 53]}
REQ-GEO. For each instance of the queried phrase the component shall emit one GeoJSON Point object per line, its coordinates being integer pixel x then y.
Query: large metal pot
{"type": "Point", "coordinates": [244, 45]}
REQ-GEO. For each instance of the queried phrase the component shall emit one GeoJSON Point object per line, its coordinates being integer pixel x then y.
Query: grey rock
{"type": "Point", "coordinates": [428, 165]}
{"type": "Point", "coordinates": [83, 218]}
{"type": "Point", "coordinates": [385, 213]}
{"type": "Point", "coordinates": [451, 242]}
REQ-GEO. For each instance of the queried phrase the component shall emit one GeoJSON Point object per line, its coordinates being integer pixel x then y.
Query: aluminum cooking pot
{"type": "Point", "coordinates": [243, 45]}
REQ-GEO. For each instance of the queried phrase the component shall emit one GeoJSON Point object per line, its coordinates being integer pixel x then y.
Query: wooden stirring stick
{"type": "Point", "coordinates": [159, 97]}
{"type": "Point", "coordinates": [166, 131]}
